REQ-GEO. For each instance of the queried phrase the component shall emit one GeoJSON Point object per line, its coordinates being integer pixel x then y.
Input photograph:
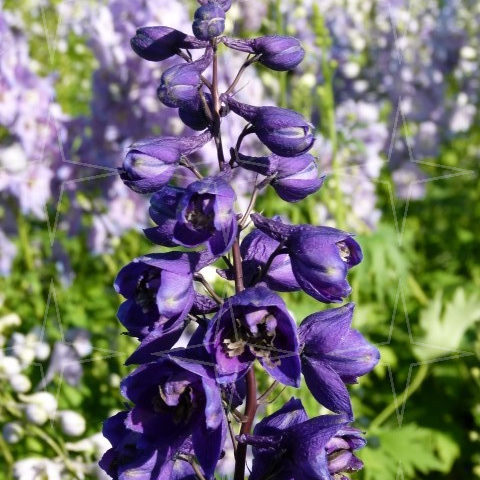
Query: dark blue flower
{"type": "Point", "coordinates": [159, 292]}
{"type": "Point", "coordinates": [283, 131]}
{"type": "Point", "coordinates": [205, 215]}
{"type": "Point", "coordinates": [180, 84]}
{"type": "Point", "coordinates": [256, 250]}
{"type": "Point", "coordinates": [159, 43]}
{"type": "Point", "coordinates": [320, 256]}
{"type": "Point", "coordinates": [151, 163]}
{"type": "Point", "coordinates": [277, 52]}
{"type": "Point", "coordinates": [173, 405]}
{"type": "Point", "coordinates": [289, 446]}
{"type": "Point", "coordinates": [333, 354]}
{"type": "Point", "coordinates": [254, 324]}
{"type": "Point", "coordinates": [209, 21]}
{"type": "Point", "coordinates": [292, 178]}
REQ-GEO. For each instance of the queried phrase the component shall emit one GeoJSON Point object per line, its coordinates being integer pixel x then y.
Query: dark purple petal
{"type": "Point", "coordinates": [159, 43]}
{"type": "Point", "coordinates": [326, 386]}
{"type": "Point", "coordinates": [323, 331]}
{"type": "Point", "coordinates": [353, 357]}
{"type": "Point", "coordinates": [180, 84]}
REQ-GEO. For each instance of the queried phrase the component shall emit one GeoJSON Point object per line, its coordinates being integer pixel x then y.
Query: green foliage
{"type": "Point", "coordinates": [445, 324]}
{"type": "Point", "coordinates": [406, 452]}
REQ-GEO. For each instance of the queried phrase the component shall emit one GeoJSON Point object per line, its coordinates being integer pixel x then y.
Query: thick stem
{"type": "Point", "coordinates": [250, 410]}
{"type": "Point", "coordinates": [237, 266]}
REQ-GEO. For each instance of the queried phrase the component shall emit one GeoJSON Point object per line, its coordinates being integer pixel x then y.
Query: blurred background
{"type": "Point", "coordinates": [392, 87]}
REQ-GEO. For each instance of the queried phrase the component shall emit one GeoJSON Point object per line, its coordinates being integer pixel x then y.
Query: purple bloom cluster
{"type": "Point", "coordinates": [181, 400]}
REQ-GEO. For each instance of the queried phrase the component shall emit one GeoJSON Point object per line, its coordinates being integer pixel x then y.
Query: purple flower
{"type": "Point", "coordinates": [163, 211]}
{"type": "Point", "coordinates": [159, 292]}
{"type": "Point", "coordinates": [209, 21]}
{"type": "Point", "coordinates": [283, 131]}
{"type": "Point", "coordinates": [293, 178]}
{"type": "Point", "coordinates": [173, 405]}
{"type": "Point", "coordinates": [205, 214]}
{"type": "Point", "coordinates": [254, 324]}
{"type": "Point", "coordinates": [127, 457]}
{"type": "Point", "coordinates": [256, 250]}
{"type": "Point", "coordinates": [277, 52]}
{"type": "Point", "coordinates": [320, 256]}
{"type": "Point", "coordinates": [159, 43]}
{"type": "Point", "coordinates": [150, 164]}
{"type": "Point", "coordinates": [180, 84]}
{"type": "Point", "coordinates": [193, 115]}
{"type": "Point", "coordinates": [225, 4]}
{"type": "Point", "coordinates": [332, 355]}
{"type": "Point", "coordinates": [287, 445]}
{"type": "Point", "coordinates": [201, 213]}
{"type": "Point", "coordinates": [176, 412]}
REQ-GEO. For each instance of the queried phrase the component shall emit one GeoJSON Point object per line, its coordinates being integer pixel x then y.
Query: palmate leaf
{"type": "Point", "coordinates": [402, 453]}
{"type": "Point", "coordinates": [445, 326]}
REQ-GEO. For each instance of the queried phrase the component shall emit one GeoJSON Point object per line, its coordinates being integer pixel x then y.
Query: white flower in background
{"type": "Point", "coordinates": [96, 444]}
{"type": "Point", "coordinates": [79, 339]}
{"type": "Point", "coordinates": [39, 407]}
{"type": "Point", "coordinates": [9, 366]}
{"type": "Point", "coordinates": [20, 383]}
{"type": "Point", "coordinates": [9, 321]}
{"type": "Point", "coordinates": [12, 432]}
{"type": "Point", "coordinates": [37, 469]}
{"type": "Point", "coordinates": [71, 423]}
{"type": "Point", "coordinates": [29, 347]}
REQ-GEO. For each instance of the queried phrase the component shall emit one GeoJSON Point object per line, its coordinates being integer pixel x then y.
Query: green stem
{"type": "Point", "coordinates": [54, 446]}
{"type": "Point", "coordinates": [407, 393]}
{"type": "Point", "coordinates": [24, 243]}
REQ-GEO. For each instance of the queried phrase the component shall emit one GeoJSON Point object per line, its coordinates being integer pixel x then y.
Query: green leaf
{"type": "Point", "coordinates": [405, 452]}
{"type": "Point", "coordinates": [445, 326]}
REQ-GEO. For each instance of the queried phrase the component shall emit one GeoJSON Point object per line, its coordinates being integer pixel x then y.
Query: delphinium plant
{"type": "Point", "coordinates": [184, 403]}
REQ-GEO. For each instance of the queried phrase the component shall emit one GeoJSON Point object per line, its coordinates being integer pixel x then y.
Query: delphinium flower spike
{"type": "Point", "coordinates": [181, 402]}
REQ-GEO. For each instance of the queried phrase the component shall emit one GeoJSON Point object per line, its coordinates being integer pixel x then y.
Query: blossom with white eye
{"type": "Point", "coordinates": [71, 423]}
{"type": "Point", "coordinates": [12, 432]}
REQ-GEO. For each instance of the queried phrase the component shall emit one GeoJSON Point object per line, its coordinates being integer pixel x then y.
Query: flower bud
{"type": "Point", "coordinates": [277, 52]}
{"type": "Point", "coordinates": [12, 432]}
{"type": "Point", "coordinates": [225, 4]}
{"type": "Point", "coordinates": [71, 423]}
{"type": "Point", "coordinates": [159, 43]}
{"type": "Point", "coordinates": [179, 84]}
{"type": "Point", "coordinates": [150, 164]}
{"type": "Point", "coordinates": [209, 21]}
{"type": "Point", "coordinates": [293, 178]}
{"type": "Point", "coordinates": [194, 116]}
{"type": "Point", "coordinates": [283, 131]}
{"type": "Point", "coordinates": [20, 383]}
